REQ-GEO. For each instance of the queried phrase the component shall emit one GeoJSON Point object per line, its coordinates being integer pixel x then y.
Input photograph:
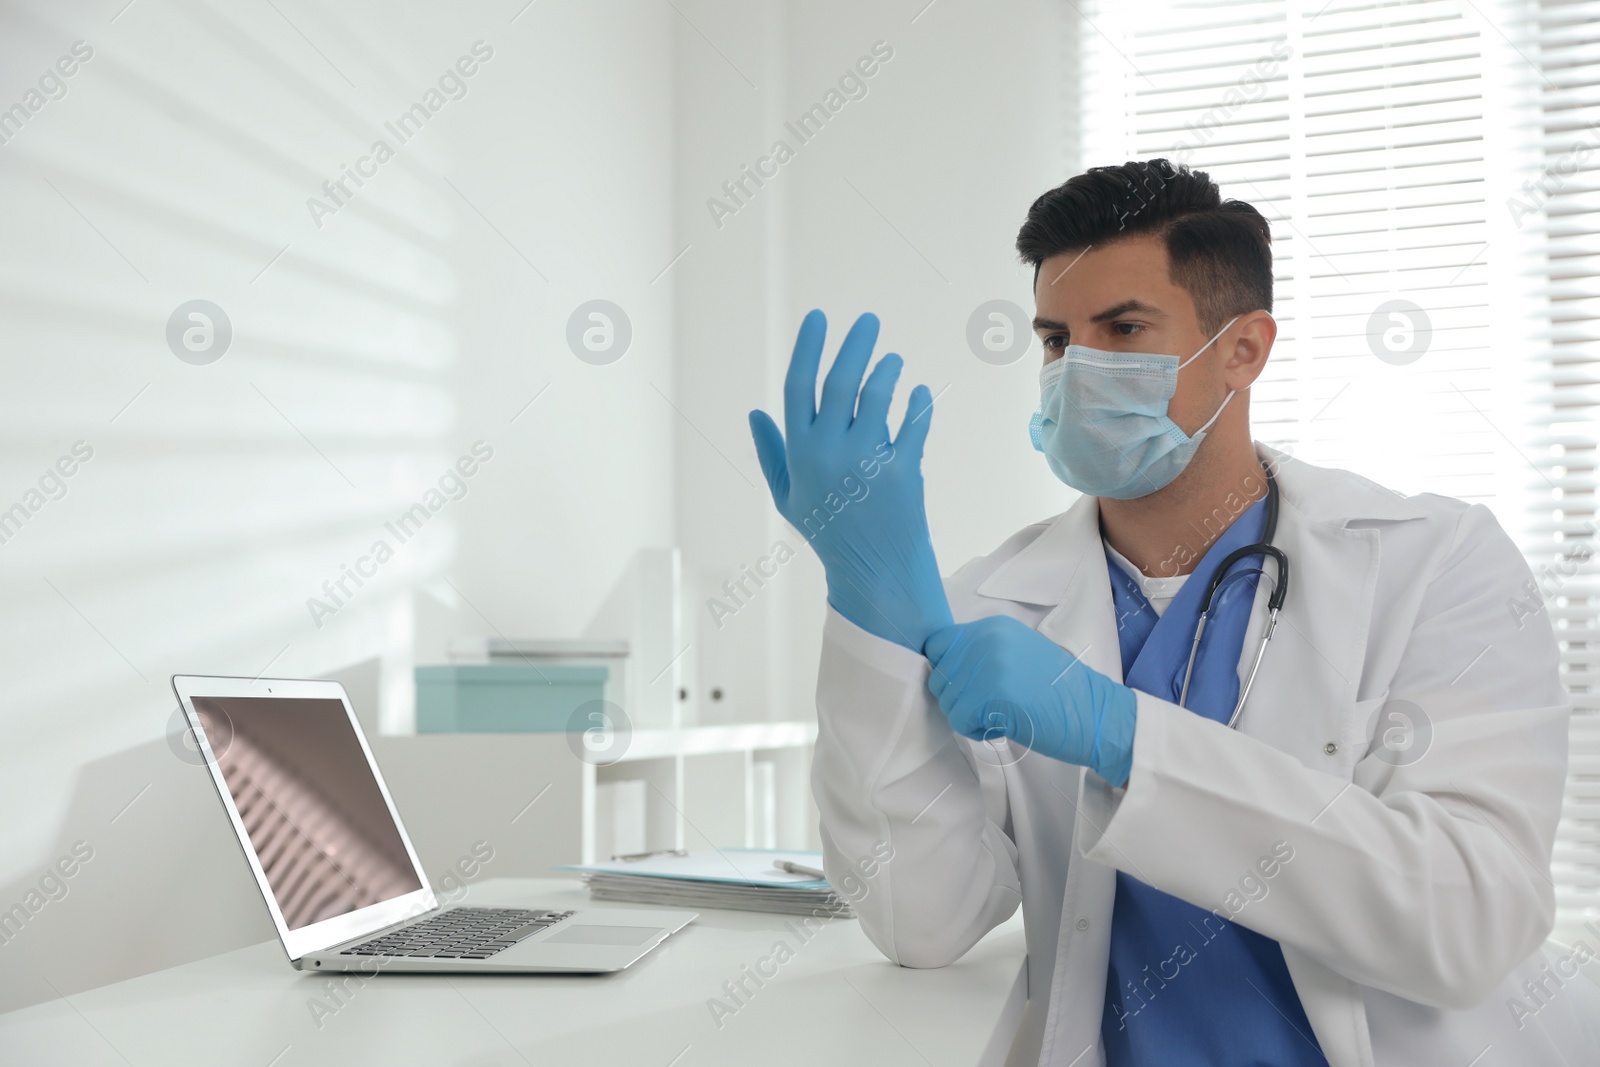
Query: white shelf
{"type": "Point", "coordinates": [703, 740]}
{"type": "Point", "coordinates": [485, 649]}
{"type": "Point", "coordinates": [703, 790]}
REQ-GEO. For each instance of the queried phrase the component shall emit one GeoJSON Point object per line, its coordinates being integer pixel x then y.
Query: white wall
{"type": "Point", "coordinates": [958, 138]}
{"type": "Point", "coordinates": [371, 352]}
{"type": "Point", "coordinates": [365, 360]}
{"type": "Point", "coordinates": [957, 134]}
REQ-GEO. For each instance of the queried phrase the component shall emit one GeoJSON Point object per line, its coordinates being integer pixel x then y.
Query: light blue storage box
{"type": "Point", "coordinates": [491, 698]}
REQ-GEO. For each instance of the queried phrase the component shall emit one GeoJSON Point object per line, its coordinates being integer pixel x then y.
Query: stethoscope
{"type": "Point", "coordinates": [1274, 602]}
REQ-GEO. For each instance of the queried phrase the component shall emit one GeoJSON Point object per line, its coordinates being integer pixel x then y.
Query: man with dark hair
{"type": "Point", "coordinates": [1331, 851]}
{"type": "Point", "coordinates": [1219, 251]}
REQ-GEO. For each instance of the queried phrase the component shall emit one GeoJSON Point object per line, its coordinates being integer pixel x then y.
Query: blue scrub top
{"type": "Point", "coordinates": [1185, 985]}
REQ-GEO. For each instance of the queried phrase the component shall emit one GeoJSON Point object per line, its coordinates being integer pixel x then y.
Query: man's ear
{"type": "Point", "coordinates": [1252, 343]}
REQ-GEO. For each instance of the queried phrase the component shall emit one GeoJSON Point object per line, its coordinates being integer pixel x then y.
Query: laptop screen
{"type": "Point", "coordinates": [310, 804]}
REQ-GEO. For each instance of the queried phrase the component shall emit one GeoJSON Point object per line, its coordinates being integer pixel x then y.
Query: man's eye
{"type": "Point", "coordinates": [1056, 341]}
{"type": "Point", "coordinates": [1126, 329]}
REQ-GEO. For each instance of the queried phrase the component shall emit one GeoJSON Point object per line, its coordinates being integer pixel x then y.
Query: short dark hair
{"type": "Point", "coordinates": [1220, 251]}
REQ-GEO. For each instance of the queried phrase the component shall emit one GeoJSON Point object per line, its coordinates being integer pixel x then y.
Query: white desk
{"type": "Point", "coordinates": [837, 1002]}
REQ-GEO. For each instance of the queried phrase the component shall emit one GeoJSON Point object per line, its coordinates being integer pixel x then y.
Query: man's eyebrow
{"type": "Point", "coordinates": [1124, 308]}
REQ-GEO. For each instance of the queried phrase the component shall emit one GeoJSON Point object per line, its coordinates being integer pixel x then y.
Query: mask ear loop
{"type": "Point", "coordinates": [1218, 413]}
{"type": "Point", "coordinates": [1213, 418]}
{"type": "Point", "coordinates": [1209, 343]}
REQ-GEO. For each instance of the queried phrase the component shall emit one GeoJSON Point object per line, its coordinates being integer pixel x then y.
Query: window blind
{"type": "Point", "coordinates": [1560, 205]}
{"type": "Point", "coordinates": [1436, 231]}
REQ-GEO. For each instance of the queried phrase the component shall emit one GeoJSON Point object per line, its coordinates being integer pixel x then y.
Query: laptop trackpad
{"type": "Point", "coordinates": [603, 935]}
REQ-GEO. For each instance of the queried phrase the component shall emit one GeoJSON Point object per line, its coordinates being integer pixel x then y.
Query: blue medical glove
{"type": "Point", "coordinates": [999, 677]}
{"type": "Point", "coordinates": [853, 494]}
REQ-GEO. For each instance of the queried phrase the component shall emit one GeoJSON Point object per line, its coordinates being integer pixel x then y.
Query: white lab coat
{"type": "Point", "coordinates": [1418, 896]}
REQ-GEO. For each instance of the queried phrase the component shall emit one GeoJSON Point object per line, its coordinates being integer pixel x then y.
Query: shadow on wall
{"type": "Point", "coordinates": [156, 879]}
{"type": "Point", "coordinates": [146, 874]}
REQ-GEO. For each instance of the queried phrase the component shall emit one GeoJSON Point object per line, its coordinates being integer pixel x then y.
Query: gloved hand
{"type": "Point", "coordinates": [999, 677]}
{"type": "Point", "coordinates": [854, 496]}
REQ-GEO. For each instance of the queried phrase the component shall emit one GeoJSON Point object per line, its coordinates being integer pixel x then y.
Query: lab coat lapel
{"type": "Point", "coordinates": [1305, 692]}
{"type": "Point", "coordinates": [1066, 566]}
{"type": "Point", "coordinates": [1084, 622]}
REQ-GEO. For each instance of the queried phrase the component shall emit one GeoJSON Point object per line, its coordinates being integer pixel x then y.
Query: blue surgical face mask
{"type": "Point", "coordinates": [1102, 421]}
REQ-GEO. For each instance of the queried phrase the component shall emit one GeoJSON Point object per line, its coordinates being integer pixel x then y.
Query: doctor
{"type": "Point", "coordinates": [1356, 871]}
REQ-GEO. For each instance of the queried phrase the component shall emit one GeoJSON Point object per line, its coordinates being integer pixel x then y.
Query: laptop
{"type": "Point", "coordinates": [335, 864]}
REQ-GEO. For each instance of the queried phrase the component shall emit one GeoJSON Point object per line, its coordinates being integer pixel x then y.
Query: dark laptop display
{"type": "Point", "coordinates": [309, 802]}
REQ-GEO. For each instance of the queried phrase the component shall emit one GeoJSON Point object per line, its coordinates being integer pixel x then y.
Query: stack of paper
{"type": "Point", "coordinates": [743, 879]}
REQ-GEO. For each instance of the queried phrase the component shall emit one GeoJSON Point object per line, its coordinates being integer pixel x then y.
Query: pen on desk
{"type": "Point", "coordinates": [629, 857]}
{"type": "Point", "coordinates": [798, 868]}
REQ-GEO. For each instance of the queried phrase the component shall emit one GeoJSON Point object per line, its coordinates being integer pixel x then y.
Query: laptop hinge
{"type": "Point", "coordinates": [380, 931]}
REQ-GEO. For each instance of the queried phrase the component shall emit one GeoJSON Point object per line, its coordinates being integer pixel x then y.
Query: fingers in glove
{"type": "Point", "coordinates": [872, 410]}
{"type": "Point", "coordinates": [914, 427]}
{"type": "Point", "coordinates": [944, 652]}
{"type": "Point", "coordinates": [800, 383]}
{"type": "Point", "coordinates": [772, 454]}
{"type": "Point", "coordinates": [843, 383]}
{"type": "Point", "coordinates": [940, 642]}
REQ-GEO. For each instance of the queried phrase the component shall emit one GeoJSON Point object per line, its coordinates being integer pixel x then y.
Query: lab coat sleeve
{"type": "Point", "coordinates": [891, 778]}
{"type": "Point", "coordinates": [1430, 880]}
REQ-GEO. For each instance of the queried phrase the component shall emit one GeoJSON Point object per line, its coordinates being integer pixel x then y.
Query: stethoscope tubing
{"type": "Point", "coordinates": [1280, 588]}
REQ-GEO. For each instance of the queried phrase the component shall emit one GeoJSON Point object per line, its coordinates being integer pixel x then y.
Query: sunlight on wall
{"type": "Point", "coordinates": [365, 436]}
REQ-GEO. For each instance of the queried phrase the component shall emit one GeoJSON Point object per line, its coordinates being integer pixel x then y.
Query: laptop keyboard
{"type": "Point", "coordinates": [460, 934]}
